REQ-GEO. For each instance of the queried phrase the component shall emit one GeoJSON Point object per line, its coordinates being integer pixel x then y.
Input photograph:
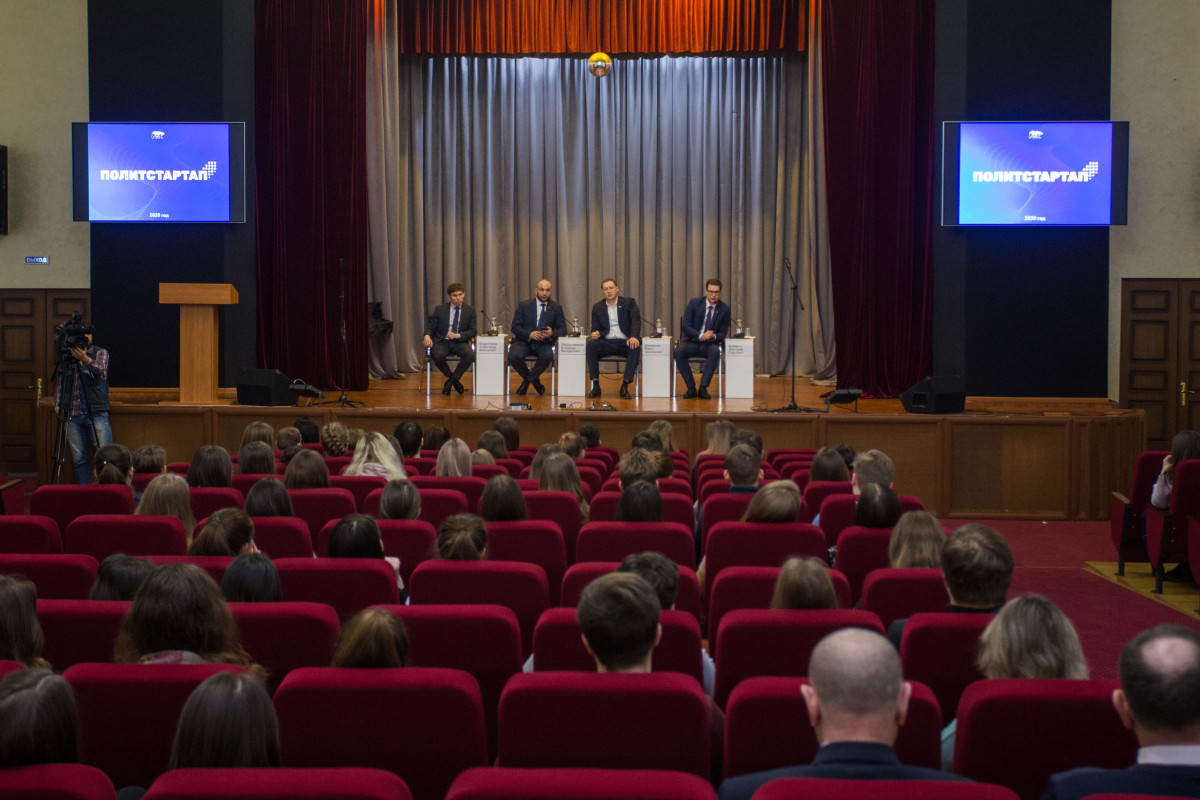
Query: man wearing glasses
{"type": "Point", "coordinates": [705, 326]}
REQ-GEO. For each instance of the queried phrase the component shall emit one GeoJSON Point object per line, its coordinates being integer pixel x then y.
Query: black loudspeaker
{"type": "Point", "coordinates": [264, 387]}
{"type": "Point", "coordinates": [940, 394]}
{"type": "Point", "coordinates": [3, 190]}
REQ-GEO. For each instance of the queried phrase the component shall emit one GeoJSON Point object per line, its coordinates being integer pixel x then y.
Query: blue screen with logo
{"type": "Point", "coordinates": [1041, 173]}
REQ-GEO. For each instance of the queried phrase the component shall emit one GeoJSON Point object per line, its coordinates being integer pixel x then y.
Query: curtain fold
{"type": "Point", "coordinates": [500, 171]}
{"type": "Point", "coordinates": [529, 27]}
{"type": "Point", "coordinates": [311, 202]}
{"type": "Point", "coordinates": [877, 71]}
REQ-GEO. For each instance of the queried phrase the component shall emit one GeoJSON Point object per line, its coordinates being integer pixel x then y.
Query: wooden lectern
{"type": "Point", "coordinates": [198, 335]}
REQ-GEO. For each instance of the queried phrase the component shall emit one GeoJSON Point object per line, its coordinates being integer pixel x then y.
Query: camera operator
{"type": "Point", "coordinates": [83, 387]}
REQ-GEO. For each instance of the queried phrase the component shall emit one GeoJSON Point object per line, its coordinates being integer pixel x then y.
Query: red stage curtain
{"type": "Point", "coordinates": [468, 27]}
{"type": "Point", "coordinates": [311, 202]}
{"type": "Point", "coordinates": [877, 58]}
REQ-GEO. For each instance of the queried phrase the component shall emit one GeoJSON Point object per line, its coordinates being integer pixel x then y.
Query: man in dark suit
{"type": "Point", "coordinates": [449, 331]}
{"type": "Point", "coordinates": [705, 326]}
{"type": "Point", "coordinates": [1159, 700]}
{"type": "Point", "coordinates": [536, 326]}
{"type": "Point", "coordinates": [856, 700]}
{"type": "Point", "coordinates": [616, 325]}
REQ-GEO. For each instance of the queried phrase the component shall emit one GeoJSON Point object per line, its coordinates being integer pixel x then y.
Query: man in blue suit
{"type": "Point", "coordinates": [856, 700]}
{"type": "Point", "coordinates": [616, 326]}
{"type": "Point", "coordinates": [705, 326]}
{"type": "Point", "coordinates": [536, 326]}
{"type": "Point", "coordinates": [1159, 700]}
{"type": "Point", "coordinates": [448, 332]}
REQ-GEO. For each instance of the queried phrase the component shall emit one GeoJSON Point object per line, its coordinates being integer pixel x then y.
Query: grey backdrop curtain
{"type": "Point", "coordinates": [497, 172]}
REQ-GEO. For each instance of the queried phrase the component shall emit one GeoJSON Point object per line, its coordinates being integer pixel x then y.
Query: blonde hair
{"type": "Point", "coordinates": [1031, 638]}
{"type": "Point", "coordinates": [374, 448]}
{"type": "Point", "coordinates": [453, 460]}
{"type": "Point", "coordinates": [663, 430]}
{"type": "Point", "coordinates": [168, 495]}
{"type": "Point", "coordinates": [917, 541]}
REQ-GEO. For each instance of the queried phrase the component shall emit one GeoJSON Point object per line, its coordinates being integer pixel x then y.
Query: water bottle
{"type": "Point", "coordinates": [493, 329]}
{"type": "Point", "coordinates": [738, 333]}
{"type": "Point", "coordinates": [574, 326]}
{"type": "Point", "coordinates": [658, 326]}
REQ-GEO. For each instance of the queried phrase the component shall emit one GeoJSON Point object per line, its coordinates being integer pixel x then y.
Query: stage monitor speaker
{"type": "Point", "coordinates": [3, 190]}
{"type": "Point", "coordinates": [938, 394]}
{"type": "Point", "coordinates": [264, 387]}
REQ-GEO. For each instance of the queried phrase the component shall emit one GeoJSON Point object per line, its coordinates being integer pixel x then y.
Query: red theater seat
{"type": "Point", "coordinates": [101, 535]}
{"type": "Point", "coordinates": [901, 592]}
{"type": "Point", "coordinates": [534, 541]}
{"type": "Point", "coordinates": [56, 782]}
{"type": "Point", "coordinates": [344, 783]}
{"type": "Point", "coordinates": [843, 789]}
{"type": "Point", "coordinates": [939, 650]}
{"type": "Point", "coordinates": [286, 636]}
{"type": "Point", "coordinates": [80, 631]}
{"type": "Point", "coordinates": [65, 502]}
{"type": "Point", "coordinates": [347, 584]}
{"type": "Point", "coordinates": [500, 783]}
{"type": "Point", "coordinates": [612, 541]}
{"type": "Point", "coordinates": [65, 576]}
{"type": "Point", "coordinates": [29, 533]}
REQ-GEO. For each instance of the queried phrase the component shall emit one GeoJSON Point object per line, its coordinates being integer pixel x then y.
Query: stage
{"type": "Point", "coordinates": [1018, 458]}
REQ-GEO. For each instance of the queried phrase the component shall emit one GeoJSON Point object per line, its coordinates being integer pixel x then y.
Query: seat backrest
{"type": "Point", "coordinates": [244, 481]}
{"type": "Point", "coordinates": [420, 465]}
{"type": "Point", "coordinates": [579, 575]}
{"type": "Point", "coordinates": [470, 486]}
{"type": "Point", "coordinates": [1017, 732]}
{"type": "Point", "coordinates": [80, 631]}
{"type": "Point", "coordinates": [751, 544]}
{"type": "Point", "coordinates": [128, 714]}
{"type": "Point", "coordinates": [777, 454]}
{"type": "Point", "coordinates": [410, 540]}
{"type": "Point", "coordinates": [754, 642]}
{"type": "Point", "coordinates": [318, 506]}
{"type": "Point", "coordinates": [56, 782]}
{"type": "Point", "coordinates": [675, 486]}
{"type": "Point", "coordinates": [358, 485]}
{"type": "Point", "coordinates": [283, 537]}
{"type": "Point", "coordinates": [424, 724]}
{"type": "Point", "coordinates": [345, 783]}
{"type": "Point", "coordinates": [588, 719]}
{"type": "Point", "coordinates": [288, 635]}
{"type": "Point", "coordinates": [64, 576]}
{"type": "Point", "coordinates": [486, 471]}
{"type": "Point", "coordinates": [215, 566]}
{"type": "Point", "coordinates": [557, 644]}
{"type": "Point", "coordinates": [484, 640]}
{"type": "Point", "coordinates": [559, 507]}
{"type": "Point", "coordinates": [837, 514]}
{"type": "Point", "coordinates": [207, 499]}
{"type": "Point", "coordinates": [767, 727]}
{"type": "Point", "coordinates": [612, 541]}
{"type": "Point", "coordinates": [939, 649]}
{"type": "Point", "coordinates": [1146, 469]}
{"type": "Point", "coordinates": [335, 464]}
{"type": "Point", "coordinates": [534, 541]}
{"type": "Point", "coordinates": [815, 493]}
{"type": "Point", "coordinates": [512, 465]}
{"type": "Point", "coordinates": [720, 508]}
{"type": "Point", "coordinates": [101, 535]}
{"type": "Point", "coordinates": [798, 473]}
{"type": "Point", "coordinates": [845, 789]}
{"type": "Point", "coordinates": [29, 533]}
{"type": "Point", "coordinates": [898, 593]}
{"type": "Point", "coordinates": [502, 783]}
{"type": "Point", "coordinates": [436, 505]}
{"type": "Point", "coordinates": [592, 476]}
{"type": "Point", "coordinates": [604, 506]}
{"type": "Point", "coordinates": [513, 584]}
{"type": "Point", "coordinates": [347, 584]}
{"type": "Point", "coordinates": [859, 551]}
{"type": "Point", "coordinates": [65, 502]}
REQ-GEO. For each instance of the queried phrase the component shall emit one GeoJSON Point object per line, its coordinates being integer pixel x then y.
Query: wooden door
{"type": "Point", "coordinates": [27, 320]}
{"type": "Point", "coordinates": [1160, 355]}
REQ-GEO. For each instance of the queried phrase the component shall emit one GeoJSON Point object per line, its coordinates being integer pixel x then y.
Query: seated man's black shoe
{"type": "Point", "coordinates": [625, 391]}
{"type": "Point", "coordinates": [447, 385]}
{"type": "Point", "coordinates": [704, 395]}
{"type": "Point", "coordinates": [689, 394]}
{"type": "Point", "coordinates": [595, 392]}
{"type": "Point", "coordinates": [458, 387]}
{"type": "Point", "coordinates": [523, 388]}
{"type": "Point", "coordinates": [537, 385]}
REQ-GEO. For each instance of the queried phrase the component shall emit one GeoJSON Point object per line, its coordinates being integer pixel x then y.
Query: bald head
{"type": "Point", "coordinates": [856, 671]}
{"type": "Point", "coordinates": [1160, 679]}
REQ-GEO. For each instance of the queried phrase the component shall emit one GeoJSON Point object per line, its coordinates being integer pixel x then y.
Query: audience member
{"type": "Point", "coordinates": [357, 536]}
{"type": "Point", "coordinates": [251, 578]}
{"type": "Point", "coordinates": [847, 453]}
{"type": "Point", "coordinates": [803, 585]}
{"type": "Point", "coordinates": [1185, 446]}
{"type": "Point", "coordinates": [268, 497]}
{"type": "Point", "coordinates": [21, 637]}
{"type": "Point", "coordinates": [590, 434]}
{"type": "Point", "coordinates": [637, 465]}
{"type": "Point", "coordinates": [666, 434]}
{"type": "Point", "coordinates": [258, 431]}
{"type": "Point", "coordinates": [454, 460]}
{"type": "Point", "coordinates": [559, 474]}
{"type": "Point", "coordinates": [510, 430]}
{"type": "Point", "coordinates": [40, 721]}
{"type": "Point", "coordinates": [502, 500]}
{"type": "Point", "coordinates": [778, 501]}
{"type": "Point", "coordinates": [168, 495]}
{"type": "Point", "coordinates": [492, 441]}
{"type": "Point", "coordinates": [856, 700]}
{"type": "Point", "coordinates": [374, 638]}
{"type": "Point", "coordinates": [287, 437]}
{"type": "Point", "coordinates": [227, 722]}
{"type": "Point", "coordinates": [119, 577]}
{"type": "Point", "coordinates": [228, 532]}
{"type": "Point", "coordinates": [1159, 700]}
{"type": "Point", "coordinates": [664, 465]}
{"type": "Point", "coordinates": [647, 440]}
{"type": "Point", "coordinates": [878, 506]}
{"type": "Point", "coordinates": [640, 502]}
{"type": "Point", "coordinates": [335, 439]}
{"type": "Point", "coordinates": [400, 500]}
{"type": "Point", "coordinates": [718, 433]}
{"type": "Point", "coordinates": [748, 437]}
{"type": "Point", "coordinates": [573, 445]}
{"type": "Point", "coordinates": [355, 435]}
{"type": "Point", "coordinates": [977, 568]}
{"type": "Point", "coordinates": [435, 437]}
{"type": "Point", "coordinates": [112, 463]}
{"type": "Point", "coordinates": [539, 458]}
{"type": "Point", "coordinates": [309, 432]}
{"type": "Point", "coordinates": [256, 458]}
{"type": "Point", "coordinates": [306, 470]}
{"type": "Point", "coordinates": [743, 469]}
{"type": "Point", "coordinates": [828, 465]}
{"type": "Point", "coordinates": [917, 541]}
{"type": "Point", "coordinates": [179, 617]}
{"type": "Point", "coordinates": [149, 459]}
{"type": "Point", "coordinates": [462, 537]}
{"type": "Point", "coordinates": [408, 434]}
{"type": "Point", "coordinates": [376, 456]}
{"type": "Point", "coordinates": [873, 466]}
{"type": "Point", "coordinates": [482, 458]}
{"type": "Point", "coordinates": [210, 468]}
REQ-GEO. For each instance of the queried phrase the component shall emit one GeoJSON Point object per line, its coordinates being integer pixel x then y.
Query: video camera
{"type": "Point", "coordinates": [72, 333]}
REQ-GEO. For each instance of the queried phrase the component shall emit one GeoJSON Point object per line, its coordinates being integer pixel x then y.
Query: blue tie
{"type": "Point", "coordinates": [454, 322]}
{"type": "Point", "coordinates": [541, 321]}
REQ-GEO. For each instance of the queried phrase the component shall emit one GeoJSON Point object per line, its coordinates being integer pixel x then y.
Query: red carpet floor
{"type": "Point", "coordinates": [1050, 560]}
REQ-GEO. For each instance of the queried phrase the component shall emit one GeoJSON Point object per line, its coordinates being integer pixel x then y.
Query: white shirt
{"type": "Point", "coordinates": [614, 329]}
{"type": "Point", "coordinates": [1179, 755]}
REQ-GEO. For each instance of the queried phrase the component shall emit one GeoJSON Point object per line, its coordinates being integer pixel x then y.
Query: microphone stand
{"type": "Point", "coordinates": [343, 400]}
{"type": "Point", "coordinates": [797, 307]}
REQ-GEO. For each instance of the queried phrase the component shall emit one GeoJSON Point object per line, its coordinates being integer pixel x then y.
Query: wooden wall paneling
{"type": "Point", "coordinates": [1016, 469]}
{"type": "Point", "coordinates": [913, 442]}
{"type": "Point", "coordinates": [1150, 354]}
{"type": "Point", "coordinates": [1189, 353]}
{"type": "Point", "coordinates": [230, 421]}
{"type": "Point", "coordinates": [178, 429]}
{"type": "Point", "coordinates": [23, 346]}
